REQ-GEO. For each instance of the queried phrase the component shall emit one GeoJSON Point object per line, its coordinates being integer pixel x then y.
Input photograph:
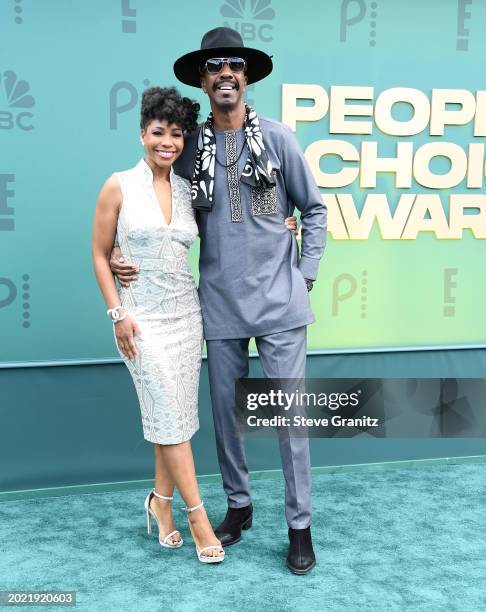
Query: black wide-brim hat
{"type": "Point", "coordinates": [222, 42]}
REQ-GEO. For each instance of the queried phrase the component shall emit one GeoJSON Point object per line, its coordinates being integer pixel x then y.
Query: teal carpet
{"type": "Point", "coordinates": [399, 539]}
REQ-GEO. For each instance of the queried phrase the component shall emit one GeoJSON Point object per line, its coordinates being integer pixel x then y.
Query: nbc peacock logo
{"type": "Point", "coordinates": [246, 16]}
{"type": "Point", "coordinates": [15, 99]}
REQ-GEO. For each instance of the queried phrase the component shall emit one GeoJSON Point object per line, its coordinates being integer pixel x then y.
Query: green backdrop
{"type": "Point", "coordinates": [71, 74]}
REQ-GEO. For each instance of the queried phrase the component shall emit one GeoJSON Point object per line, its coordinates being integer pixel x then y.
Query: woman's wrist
{"type": "Point", "coordinates": [117, 313]}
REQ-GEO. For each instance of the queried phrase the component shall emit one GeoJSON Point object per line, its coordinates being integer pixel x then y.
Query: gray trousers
{"type": "Point", "coordinates": [282, 355]}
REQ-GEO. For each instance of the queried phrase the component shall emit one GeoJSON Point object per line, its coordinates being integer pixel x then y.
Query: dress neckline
{"type": "Point", "coordinates": [149, 184]}
{"type": "Point", "coordinates": [147, 170]}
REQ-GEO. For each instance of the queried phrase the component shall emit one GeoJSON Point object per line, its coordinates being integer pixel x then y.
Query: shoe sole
{"type": "Point", "coordinates": [300, 572]}
{"type": "Point", "coordinates": [231, 543]}
{"type": "Point", "coordinates": [178, 545]}
{"type": "Point", "coordinates": [204, 559]}
{"type": "Point", "coordinates": [246, 525]}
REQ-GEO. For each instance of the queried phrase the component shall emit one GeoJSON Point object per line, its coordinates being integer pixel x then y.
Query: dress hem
{"type": "Point", "coordinates": [165, 443]}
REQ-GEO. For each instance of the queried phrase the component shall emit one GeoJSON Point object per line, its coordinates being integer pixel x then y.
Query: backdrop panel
{"type": "Point", "coordinates": [71, 75]}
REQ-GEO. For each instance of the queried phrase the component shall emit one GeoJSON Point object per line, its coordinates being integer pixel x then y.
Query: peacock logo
{"type": "Point", "coordinates": [16, 97]}
{"type": "Point", "coordinates": [243, 15]}
{"type": "Point", "coordinates": [247, 9]}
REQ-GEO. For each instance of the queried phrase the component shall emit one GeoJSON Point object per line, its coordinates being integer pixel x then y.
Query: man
{"type": "Point", "coordinates": [247, 174]}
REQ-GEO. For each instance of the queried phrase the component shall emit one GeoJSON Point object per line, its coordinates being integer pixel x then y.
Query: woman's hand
{"type": "Point", "coordinates": [291, 224]}
{"type": "Point", "coordinates": [125, 331]}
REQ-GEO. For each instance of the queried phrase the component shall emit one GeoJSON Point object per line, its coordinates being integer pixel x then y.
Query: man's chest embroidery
{"type": "Point", "coordinates": [264, 200]}
{"type": "Point", "coordinates": [233, 181]}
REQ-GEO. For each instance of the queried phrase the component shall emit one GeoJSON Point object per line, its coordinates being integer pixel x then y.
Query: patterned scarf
{"type": "Point", "coordinates": [257, 171]}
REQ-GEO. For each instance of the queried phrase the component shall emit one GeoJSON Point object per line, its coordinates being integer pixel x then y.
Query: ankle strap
{"type": "Point", "coordinates": [162, 496]}
{"type": "Point", "coordinates": [193, 508]}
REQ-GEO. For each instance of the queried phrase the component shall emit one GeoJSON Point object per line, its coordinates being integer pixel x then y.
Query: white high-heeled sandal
{"type": "Point", "coordinates": [199, 551]}
{"type": "Point", "coordinates": [150, 513]}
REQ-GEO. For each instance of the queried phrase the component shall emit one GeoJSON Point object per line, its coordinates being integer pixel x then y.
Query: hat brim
{"type": "Point", "coordinates": [259, 64]}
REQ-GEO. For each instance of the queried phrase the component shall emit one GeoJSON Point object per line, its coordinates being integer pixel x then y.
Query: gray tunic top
{"type": "Point", "coordinates": [251, 276]}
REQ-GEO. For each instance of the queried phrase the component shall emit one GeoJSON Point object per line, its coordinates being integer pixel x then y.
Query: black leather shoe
{"type": "Point", "coordinates": [301, 558]}
{"type": "Point", "coordinates": [229, 531]}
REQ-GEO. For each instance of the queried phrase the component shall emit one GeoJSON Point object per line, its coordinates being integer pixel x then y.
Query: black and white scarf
{"type": "Point", "coordinates": [257, 171]}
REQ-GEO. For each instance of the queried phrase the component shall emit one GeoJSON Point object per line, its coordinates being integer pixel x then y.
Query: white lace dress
{"type": "Point", "coordinates": [164, 303]}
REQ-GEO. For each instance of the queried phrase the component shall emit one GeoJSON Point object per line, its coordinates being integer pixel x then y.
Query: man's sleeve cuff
{"type": "Point", "coordinates": [308, 267]}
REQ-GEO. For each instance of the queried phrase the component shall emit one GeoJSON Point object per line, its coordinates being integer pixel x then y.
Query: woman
{"type": "Point", "coordinates": [157, 319]}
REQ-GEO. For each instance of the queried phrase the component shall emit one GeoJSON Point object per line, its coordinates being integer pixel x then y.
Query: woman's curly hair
{"type": "Point", "coordinates": [167, 103]}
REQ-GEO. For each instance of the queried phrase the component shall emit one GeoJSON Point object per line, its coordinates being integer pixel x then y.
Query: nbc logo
{"type": "Point", "coordinates": [16, 97]}
{"type": "Point", "coordinates": [246, 17]}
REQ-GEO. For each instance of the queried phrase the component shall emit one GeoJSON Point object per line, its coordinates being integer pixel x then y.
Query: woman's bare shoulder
{"type": "Point", "coordinates": [110, 193]}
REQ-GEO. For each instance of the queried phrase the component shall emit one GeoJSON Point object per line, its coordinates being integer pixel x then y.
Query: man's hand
{"type": "Point", "coordinates": [125, 272]}
{"type": "Point", "coordinates": [309, 284]}
{"type": "Point", "coordinates": [291, 224]}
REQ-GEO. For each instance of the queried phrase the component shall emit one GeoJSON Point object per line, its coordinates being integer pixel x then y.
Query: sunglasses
{"type": "Point", "coordinates": [215, 64]}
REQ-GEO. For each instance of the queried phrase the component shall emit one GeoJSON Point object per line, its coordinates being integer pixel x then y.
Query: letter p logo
{"type": "Point", "coordinates": [349, 15]}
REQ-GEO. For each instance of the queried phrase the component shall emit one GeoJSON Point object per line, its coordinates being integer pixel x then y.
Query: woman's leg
{"type": "Point", "coordinates": [179, 462]}
{"type": "Point", "coordinates": [164, 484]}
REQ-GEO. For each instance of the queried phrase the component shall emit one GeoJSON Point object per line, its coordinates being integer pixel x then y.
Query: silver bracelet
{"type": "Point", "coordinates": [115, 315]}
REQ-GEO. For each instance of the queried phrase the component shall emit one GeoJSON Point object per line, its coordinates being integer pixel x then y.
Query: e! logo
{"type": "Point", "coordinates": [450, 283]}
{"type": "Point", "coordinates": [462, 43]}
{"type": "Point", "coordinates": [6, 225]}
{"type": "Point", "coordinates": [129, 25]}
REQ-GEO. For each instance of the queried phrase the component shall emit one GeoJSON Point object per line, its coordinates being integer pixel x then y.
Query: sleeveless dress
{"type": "Point", "coordinates": [164, 303]}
